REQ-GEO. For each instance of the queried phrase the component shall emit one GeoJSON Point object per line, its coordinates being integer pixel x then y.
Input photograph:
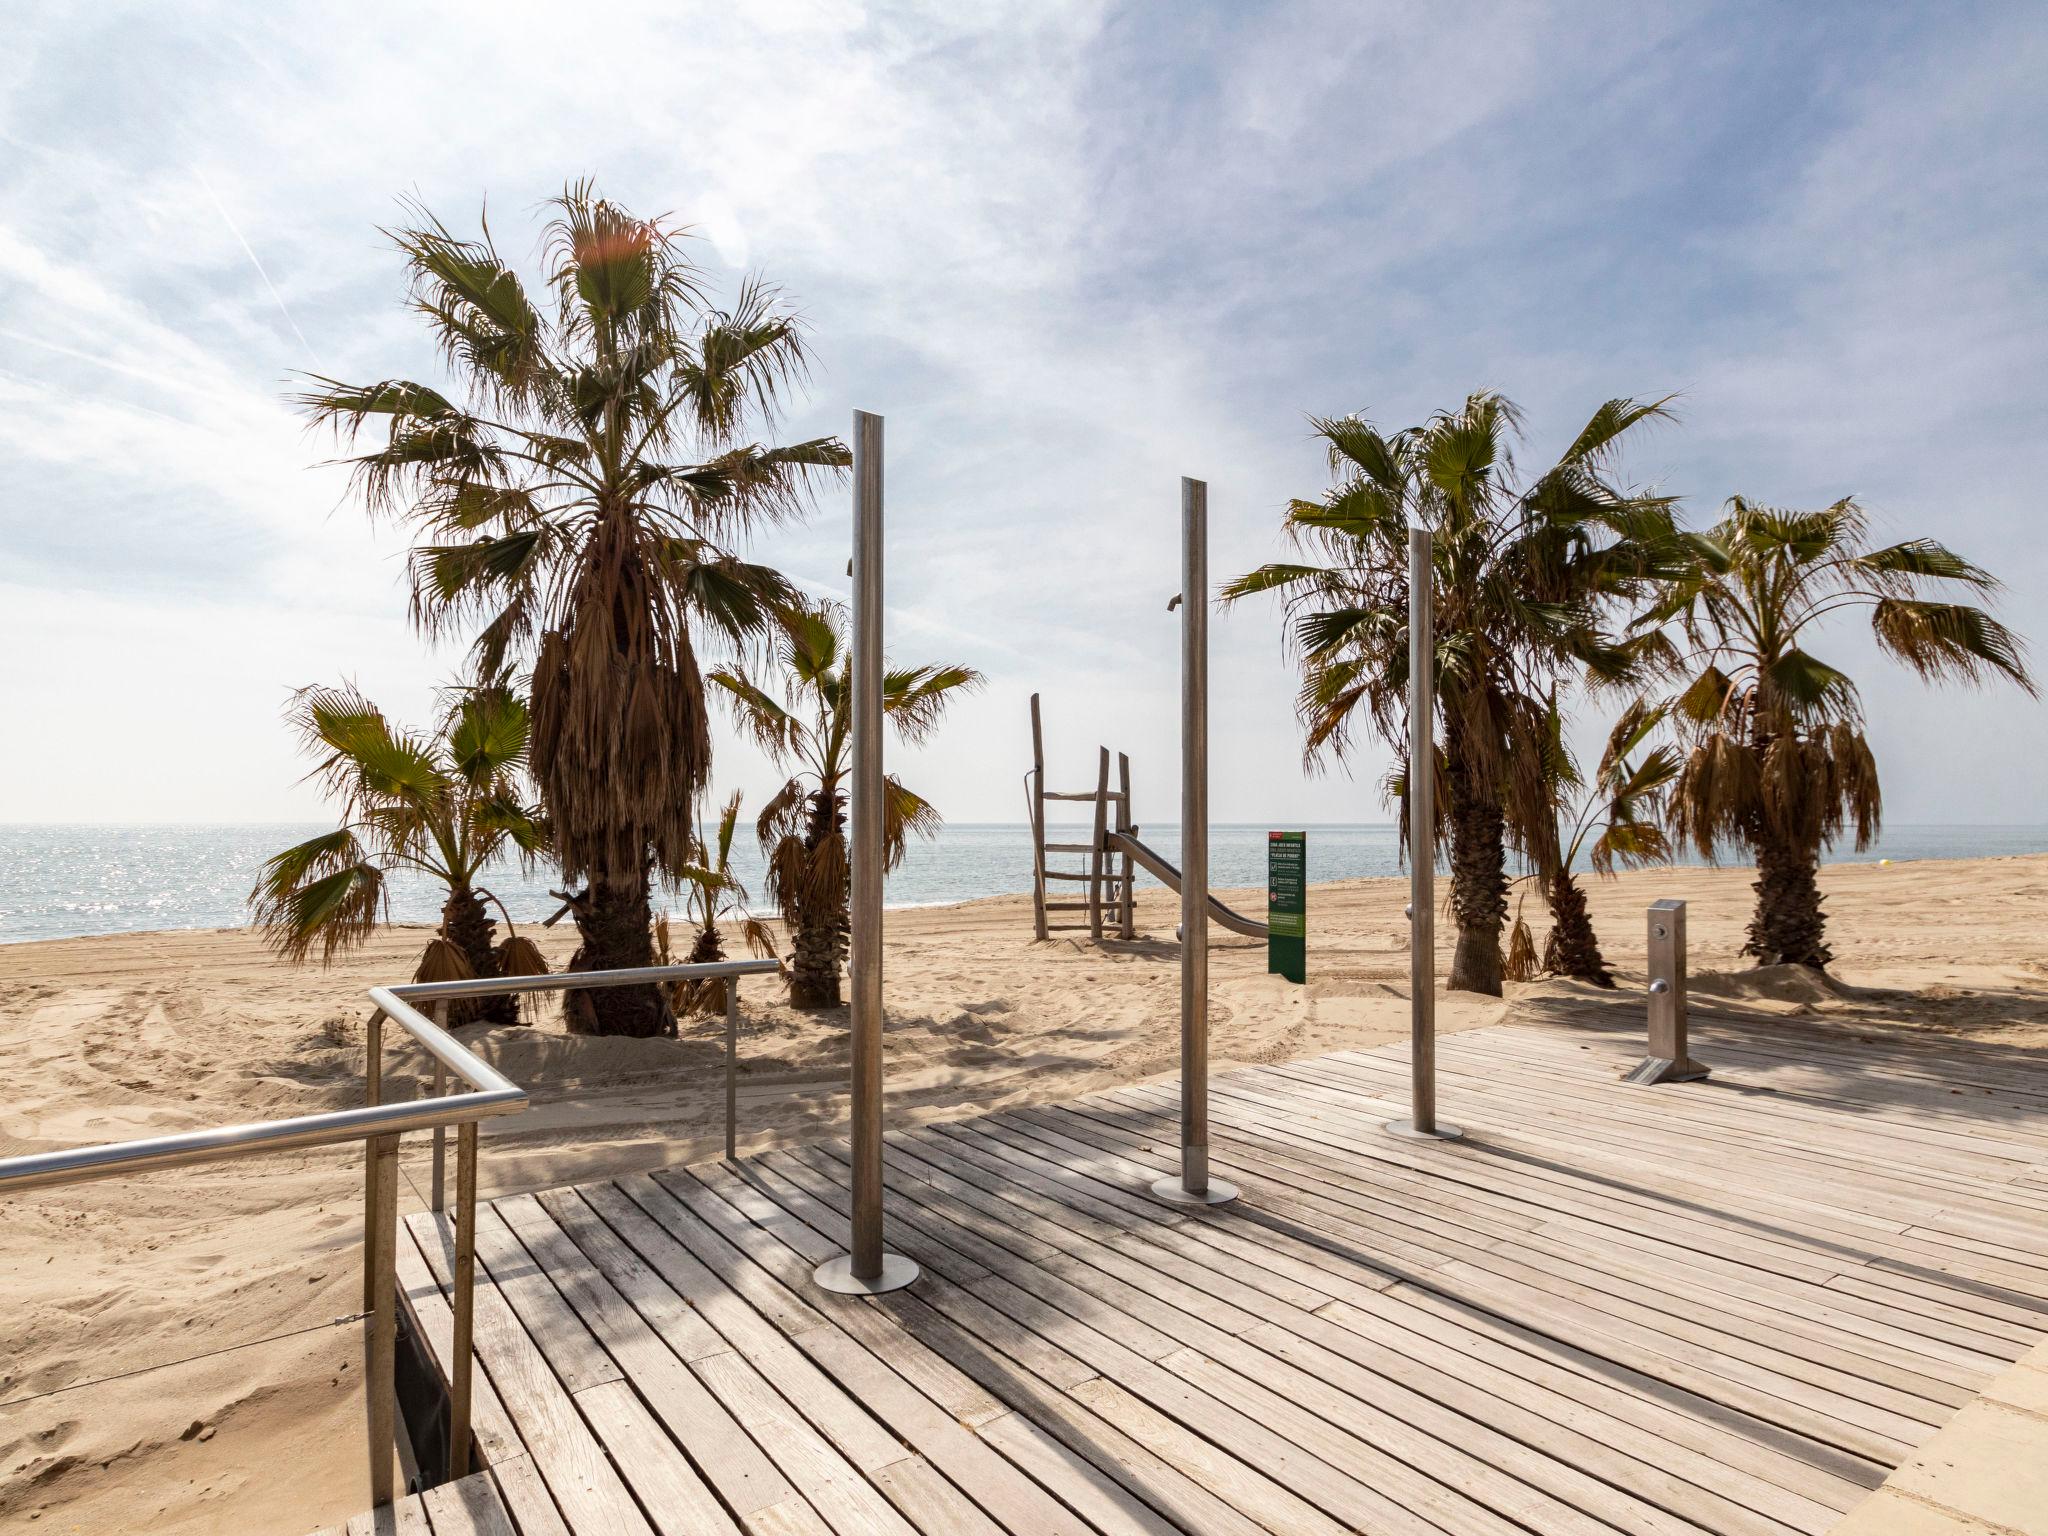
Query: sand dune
{"type": "Point", "coordinates": [170, 1357]}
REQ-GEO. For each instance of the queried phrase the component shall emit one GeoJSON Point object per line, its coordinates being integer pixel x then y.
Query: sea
{"type": "Point", "coordinates": [67, 881]}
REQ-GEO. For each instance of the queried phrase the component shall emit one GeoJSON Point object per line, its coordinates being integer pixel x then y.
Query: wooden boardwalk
{"type": "Point", "coordinates": [1728, 1306]}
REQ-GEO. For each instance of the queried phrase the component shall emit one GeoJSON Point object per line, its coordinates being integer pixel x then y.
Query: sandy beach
{"type": "Point", "coordinates": [178, 1352]}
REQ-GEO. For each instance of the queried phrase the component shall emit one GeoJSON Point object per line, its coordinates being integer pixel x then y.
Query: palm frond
{"type": "Point", "coordinates": [1949, 641]}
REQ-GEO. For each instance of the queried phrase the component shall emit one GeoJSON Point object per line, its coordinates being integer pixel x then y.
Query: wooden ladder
{"type": "Point", "coordinates": [1109, 875]}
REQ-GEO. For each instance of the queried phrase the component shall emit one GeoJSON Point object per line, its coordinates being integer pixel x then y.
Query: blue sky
{"type": "Point", "coordinates": [1071, 252]}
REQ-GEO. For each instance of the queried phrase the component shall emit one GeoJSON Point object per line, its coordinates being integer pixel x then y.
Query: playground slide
{"type": "Point", "coordinates": [1167, 875]}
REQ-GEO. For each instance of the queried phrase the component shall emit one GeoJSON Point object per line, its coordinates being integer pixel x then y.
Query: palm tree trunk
{"type": "Point", "coordinates": [615, 921]}
{"type": "Point", "coordinates": [1479, 880]}
{"type": "Point", "coordinates": [818, 936]}
{"type": "Point", "coordinates": [701, 999]}
{"type": "Point", "coordinates": [1789, 927]}
{"type": "Point", "coordinates": [466, 923]}
{"type": "Point", "coordinates": [1572, 949]}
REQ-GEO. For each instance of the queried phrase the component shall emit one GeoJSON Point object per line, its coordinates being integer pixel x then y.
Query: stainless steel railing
{"type": "Point", "coordinates": [487, 1093]}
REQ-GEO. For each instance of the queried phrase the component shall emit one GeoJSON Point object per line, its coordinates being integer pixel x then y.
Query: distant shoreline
{"type": "Point", "coordinates": [967, 903]}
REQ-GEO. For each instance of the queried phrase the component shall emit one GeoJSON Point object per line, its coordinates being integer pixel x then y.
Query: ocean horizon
{"type": "Point", "coordinates": [78, 880]}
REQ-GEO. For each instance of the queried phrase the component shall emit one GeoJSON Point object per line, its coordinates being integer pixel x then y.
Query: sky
{"type": "Point", "coordinates": [1071, 252]}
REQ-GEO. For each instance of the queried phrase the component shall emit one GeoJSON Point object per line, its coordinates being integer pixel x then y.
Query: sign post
{"type": "Point", "coordinates": [1287, 905]}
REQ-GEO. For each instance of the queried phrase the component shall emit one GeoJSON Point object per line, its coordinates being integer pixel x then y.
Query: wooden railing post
{"type": "Point", "coordinates": [380, 1344]}
{"type": "Point", "coordinates": [1127, 920]}
{"type": "Point", "coordinates": [1097, 854]}
{"type": "Point", "coordinates": [1035, 797]}
{"type": "Point", "coordinates": [460, 1363]}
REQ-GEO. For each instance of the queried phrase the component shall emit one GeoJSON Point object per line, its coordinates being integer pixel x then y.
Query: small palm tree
{"type": "Point", "coordinates": [712, 894]}
{"type": "Point", "coordinates": [1621, 812]}
{"type": "Point", "coordinates": [446, 806]}
{"type": "Point", "coordinates": [1525, 573]}
{"type": "Point", "coordinates": [1778, 762]}
{"type": "Point", "coordinates": [577, 509]}
{"type": "Point", "coordinates": [803, 828]}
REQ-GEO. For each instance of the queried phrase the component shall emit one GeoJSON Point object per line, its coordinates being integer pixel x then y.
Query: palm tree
{"type": "Point", "coordinates": [1621, 811]}
{"type": "Point", "coordinates": [803, 828]}
{"type": "Point", "coordinates": [446, 806]}
{"type": "Point", "coordinates": [1524, 572]}
{"type": "Point", "coordinates": [578, 506]}
{"type": "Point", "coordinates": [712, 894]}
{"type": "Point", "coordinates": [1778, 762]}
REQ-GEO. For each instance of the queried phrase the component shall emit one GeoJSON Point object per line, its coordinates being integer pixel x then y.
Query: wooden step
{"type": "Point", "coordinates": [1069, 847]}
{"type": "Point", "coordinates": [1061, 874]}
{"type": "Point", "coordinates": [1085, 794]}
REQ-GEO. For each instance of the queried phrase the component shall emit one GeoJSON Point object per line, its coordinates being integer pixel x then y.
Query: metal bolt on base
{"type": "Point", "coordinates": [837, 1275]}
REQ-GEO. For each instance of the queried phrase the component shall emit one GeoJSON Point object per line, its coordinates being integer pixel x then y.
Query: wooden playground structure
{"type": "Point", "coordinates": [1113, 853]}
{"type": "Point", "coordinates": [1108, 877]}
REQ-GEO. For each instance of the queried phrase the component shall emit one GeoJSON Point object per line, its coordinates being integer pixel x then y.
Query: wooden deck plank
{"type": "Point", "coordinates": [470, 1506]}
{"type": "Point", "coordinates": [1318, 1160]}
{"type": "Point", "coordinates": [1729, 1308]}
{"type": "Point", "coordinates": [1387, 1405]}
{"type": "Point", "coordinates": [1719, 1365]}
{"type": "Point", "coordinates": [748, 1257]}
{"type": "Point", "coordinates": [1352, 1455]}
{"type": "Point", "coordinates": [1592, 1369]}
{"type": "Point", "coordinates": [1024, 1369]}
{"type": "Point", "coordinates": [819, 1472]}
{"type": "Point", "coordinates": [1520, 1366]}
{"type": "Point", "coordinates": [1503, 1401]}
{"type": "Point", "coordinates": [1583, 1317]}
{"type": "Point", "coordinates": [1806, 1310]}
{"type": "Point", "coordinates": [404, 1517]}
{"type": "Point", "coordinates": [496, 1439]}
{"type": "Point", "coordinates": [1122, 1460]}
{"type": "Point", "coordinates": [724, 1454]}
{"type": "Point", "coordinates": [1604, 1205]}
{"type": "Point", "coordinates": [1864, 1173]}
{"type": "Point", "coordinates": [526, 1497]}
{"type": "Point", "coordinates": [1331, 1437]}
{"type": "Point", "coordinates": [1818, 1222]}
{"type": "Point", "coordinates": [581, 1480]}
{"type": "Point", "coordinates": [669, 1488]}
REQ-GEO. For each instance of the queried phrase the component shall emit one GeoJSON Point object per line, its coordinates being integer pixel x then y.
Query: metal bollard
{"type": "Point", "coordinates": [1668, 1061]}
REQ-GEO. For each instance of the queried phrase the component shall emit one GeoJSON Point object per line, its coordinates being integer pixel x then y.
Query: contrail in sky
{"type": "Point", "coordinates": [258, 265]}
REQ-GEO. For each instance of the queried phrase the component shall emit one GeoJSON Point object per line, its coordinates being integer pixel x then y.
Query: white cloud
{"type": "Point", "coordinates": [1072, 251]}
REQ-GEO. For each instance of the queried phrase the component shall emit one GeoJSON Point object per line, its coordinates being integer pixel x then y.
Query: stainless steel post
{"type": "Point", "coordinates": [867, 1269]}
{"type": "Point", "coordinates": [439, 1014]}
{"type": "Point", "coordinates": [1194, 1186]}
{"type": "Point", "coordinates": [732, 1064]}
{"type": "Point", "coordinates": [1669, 1060]}
{"type": "Point", "coordinates": [373, 1091]}
{"type": "Point", "coordinates": [1421, 1121]}
{"type": "Point", "coordinates": [380, 1344]}
{"type": "Point", "coordinates": [460, 1364]}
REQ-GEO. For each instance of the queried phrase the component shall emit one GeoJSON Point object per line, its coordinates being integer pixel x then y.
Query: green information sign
{"type": "Point", "coordinates": [1287, 905]}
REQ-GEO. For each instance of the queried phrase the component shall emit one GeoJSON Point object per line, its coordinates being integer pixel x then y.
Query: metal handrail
{"type": "Point", "coordinates": [379, 1126]}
